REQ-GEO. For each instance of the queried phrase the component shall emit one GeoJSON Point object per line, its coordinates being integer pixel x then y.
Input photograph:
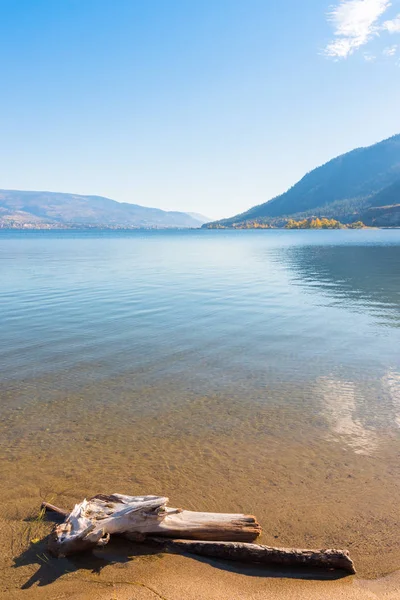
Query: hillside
{"type": "Point", "coordinates": [50, 209]}
{"type": "Point", "coordinates": [345, 188]}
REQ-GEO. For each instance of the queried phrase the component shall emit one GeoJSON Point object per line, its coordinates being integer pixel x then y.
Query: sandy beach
{"type": "Point", "coordinates": [306, 492]}
{"type": "Point", "coordinates": [176, 578]}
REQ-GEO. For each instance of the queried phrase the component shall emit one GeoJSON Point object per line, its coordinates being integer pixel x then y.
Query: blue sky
{"type": "Point", "coordinates": [210, 106]}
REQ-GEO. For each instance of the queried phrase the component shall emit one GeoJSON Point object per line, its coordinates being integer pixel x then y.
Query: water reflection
{"type": "Point", "coordinates": [358, 413]}
{"type": "Point", "coordinates": [361, 277]}
{"type": "Point", "coordinates": [391, 384]}
{"type": "Point", "coordinates": [357, 403]}
{"type": "Point", "coordinates": [341, 405]}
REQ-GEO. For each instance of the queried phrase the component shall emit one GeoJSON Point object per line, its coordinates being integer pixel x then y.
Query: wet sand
{"type": "Point", "coordinates": [178, 578]}
{"type": "Point", "coordinates": [310, 480]}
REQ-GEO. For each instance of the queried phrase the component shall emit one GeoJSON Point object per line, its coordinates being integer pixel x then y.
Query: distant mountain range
{"type": "Point", "coordinates": [50, 209]}
{"type": "Point", "coordinates": [361, 185]}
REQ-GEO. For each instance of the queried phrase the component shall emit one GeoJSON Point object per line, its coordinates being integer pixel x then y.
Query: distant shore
{"type": "Point", "coordinates": [124, 228]}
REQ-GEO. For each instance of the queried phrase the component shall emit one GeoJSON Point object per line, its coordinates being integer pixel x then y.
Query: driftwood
{"type": "Point", "coordinates": [59, 511]}
{"type": "Point", "coordinates": [92, 522]}
{"type": "Point", "coordinates": [141, 518]}
{"type": "Point", "coordinates": [265, 555]}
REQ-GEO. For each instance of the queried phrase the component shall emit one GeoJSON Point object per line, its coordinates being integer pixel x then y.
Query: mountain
{"type": "Point", "coordinates": [345, 188]}
{"type": "Point", "coordinates": [51, 209]}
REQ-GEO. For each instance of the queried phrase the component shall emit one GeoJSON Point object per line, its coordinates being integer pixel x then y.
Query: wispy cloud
{"type": "Point", "coordinates": [392, 26]}
{"type": "Point", "coordinates": [355, 23]}
{"type": "Point", "coordinates": [390, 50]}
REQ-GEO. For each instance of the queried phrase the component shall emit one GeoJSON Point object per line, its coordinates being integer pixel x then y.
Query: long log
{"type": "Point", "coordinates": [92, 522]}
{"type": "Point", "coordinates": [78, 533]}
{"type": "Point", "coordinates": [265, 555]}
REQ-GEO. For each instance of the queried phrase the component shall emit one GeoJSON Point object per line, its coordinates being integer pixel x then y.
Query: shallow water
{"type": "Point", "coordinates": [231, 370]}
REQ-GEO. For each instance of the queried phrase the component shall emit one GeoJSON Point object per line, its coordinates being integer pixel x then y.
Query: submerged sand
{"type": "Point", "coordinates": [310, 480]}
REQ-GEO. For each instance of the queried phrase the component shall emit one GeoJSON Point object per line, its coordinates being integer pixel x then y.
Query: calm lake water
{"type": "Point", "coordinates": [227, 369]}
{"type": "Point", "coordinates": [210, 309]}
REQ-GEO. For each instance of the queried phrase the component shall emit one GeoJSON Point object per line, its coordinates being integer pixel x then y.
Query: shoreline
{"type": "Point", "coordinates": [312, 492]}
{"type": "Point", "coordinates": [178, 577]}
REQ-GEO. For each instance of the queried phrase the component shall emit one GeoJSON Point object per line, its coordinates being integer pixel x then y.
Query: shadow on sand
{"type": "Point", "coordinates": [120, 551]}
{"type": "Point", "coordinates": [117, 552]}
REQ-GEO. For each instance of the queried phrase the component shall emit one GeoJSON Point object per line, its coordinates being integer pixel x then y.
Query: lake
{"type": "Point", "coordinates": [254, 371]}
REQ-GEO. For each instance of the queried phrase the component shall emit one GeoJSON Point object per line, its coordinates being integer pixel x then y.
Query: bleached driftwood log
{"type": "Point", "coordinates": [92, 522]}
{"type": "Point", "coordinates": [147, 517]}
{"type": "Point", "coordinates": [265, 555]}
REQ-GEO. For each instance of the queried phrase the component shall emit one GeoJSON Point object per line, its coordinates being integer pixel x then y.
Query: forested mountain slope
{"type": "Point", "coordinates": [343, 188]}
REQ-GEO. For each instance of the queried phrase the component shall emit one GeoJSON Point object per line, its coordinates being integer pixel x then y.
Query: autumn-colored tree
{"type": "Point", "coordinates": [314, 223]}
